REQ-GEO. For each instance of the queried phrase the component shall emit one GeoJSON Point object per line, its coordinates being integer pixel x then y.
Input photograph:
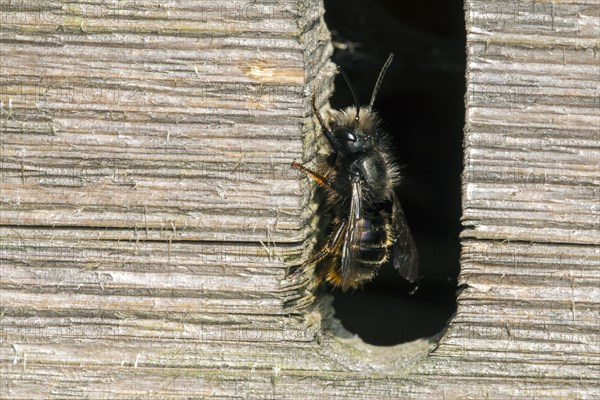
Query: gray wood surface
{"type": "Point", "coordinates": [149, 215]}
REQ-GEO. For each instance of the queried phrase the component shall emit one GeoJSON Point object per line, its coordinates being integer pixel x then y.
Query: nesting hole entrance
{"type": "Point", "coordinates": [422, 107]}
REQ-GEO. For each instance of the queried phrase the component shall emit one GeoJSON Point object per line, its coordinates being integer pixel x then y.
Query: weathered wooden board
{"type": "Point", "coordinates": [528, 320]}
{"type": "Point", "coordinates": [149, 215]}
{"type": "Point", "coordinates": [147, 193]}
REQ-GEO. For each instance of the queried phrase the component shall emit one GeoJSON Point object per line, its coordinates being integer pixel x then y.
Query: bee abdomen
{"type": "Point", "coordinates": [373, 246]}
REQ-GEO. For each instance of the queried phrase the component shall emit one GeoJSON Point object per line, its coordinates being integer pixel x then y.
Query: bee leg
{"type": "Point", "coordinates": [326, 250]}
{"type": "Point", "coordinates": [320, 179]}
{"type": "Point", "coordinates": [329, 247]}
{"type": "Point", "coordinates": [326, 131]}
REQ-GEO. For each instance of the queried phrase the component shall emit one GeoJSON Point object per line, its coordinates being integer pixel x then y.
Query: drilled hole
{"type": "Point", "coordinates": [421, 104]}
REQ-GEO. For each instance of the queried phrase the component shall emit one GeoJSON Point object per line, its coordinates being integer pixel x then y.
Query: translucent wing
{"type": "Point", "coordinates": [406, 257]}
{"type": "Point", "coordinates": [351, 236]}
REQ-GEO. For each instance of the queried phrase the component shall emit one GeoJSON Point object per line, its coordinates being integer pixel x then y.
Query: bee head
{"type": "Point", "coordinates": [354, 135]}
{"type": "Point", "coordinates": [356, 127]}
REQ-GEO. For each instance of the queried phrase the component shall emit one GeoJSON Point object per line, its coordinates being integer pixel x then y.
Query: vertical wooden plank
{"type": "Point", "coordinates": [527, 320]}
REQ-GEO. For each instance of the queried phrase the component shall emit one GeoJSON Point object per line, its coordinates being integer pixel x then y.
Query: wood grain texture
{"type": "Point", "coordinates": [147, 197]}
{"type": "Point", "coordinates": [149, 215]}
{"type": "Point", "coordinates": [527, 324]}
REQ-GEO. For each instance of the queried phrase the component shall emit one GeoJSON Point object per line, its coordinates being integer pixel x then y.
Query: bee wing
{"type": "Point", "coordinates": [406, 257]}
{"type": "Point", "coordinates": [351, 236]}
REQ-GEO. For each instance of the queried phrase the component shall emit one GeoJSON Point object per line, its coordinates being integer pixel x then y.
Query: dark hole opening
{"type": "Point", "coordinates": [421, 104]}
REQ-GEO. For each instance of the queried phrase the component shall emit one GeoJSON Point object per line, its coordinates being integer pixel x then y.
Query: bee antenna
{"type": "Point", "coordinates": [356, 103]}
{"type": "Point", "coordinates": [380, 78]}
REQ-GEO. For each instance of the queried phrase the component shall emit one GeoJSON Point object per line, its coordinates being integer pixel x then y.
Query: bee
{"type": "Point", "coordinates": [360, 177]}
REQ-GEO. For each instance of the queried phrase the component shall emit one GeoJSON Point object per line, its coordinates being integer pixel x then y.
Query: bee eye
{"type": "Point", "coordinates": [344, 134]}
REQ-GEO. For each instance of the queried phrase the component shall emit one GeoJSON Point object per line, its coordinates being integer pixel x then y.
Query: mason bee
{"type": "Point", "coordinates": [359, 178]}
